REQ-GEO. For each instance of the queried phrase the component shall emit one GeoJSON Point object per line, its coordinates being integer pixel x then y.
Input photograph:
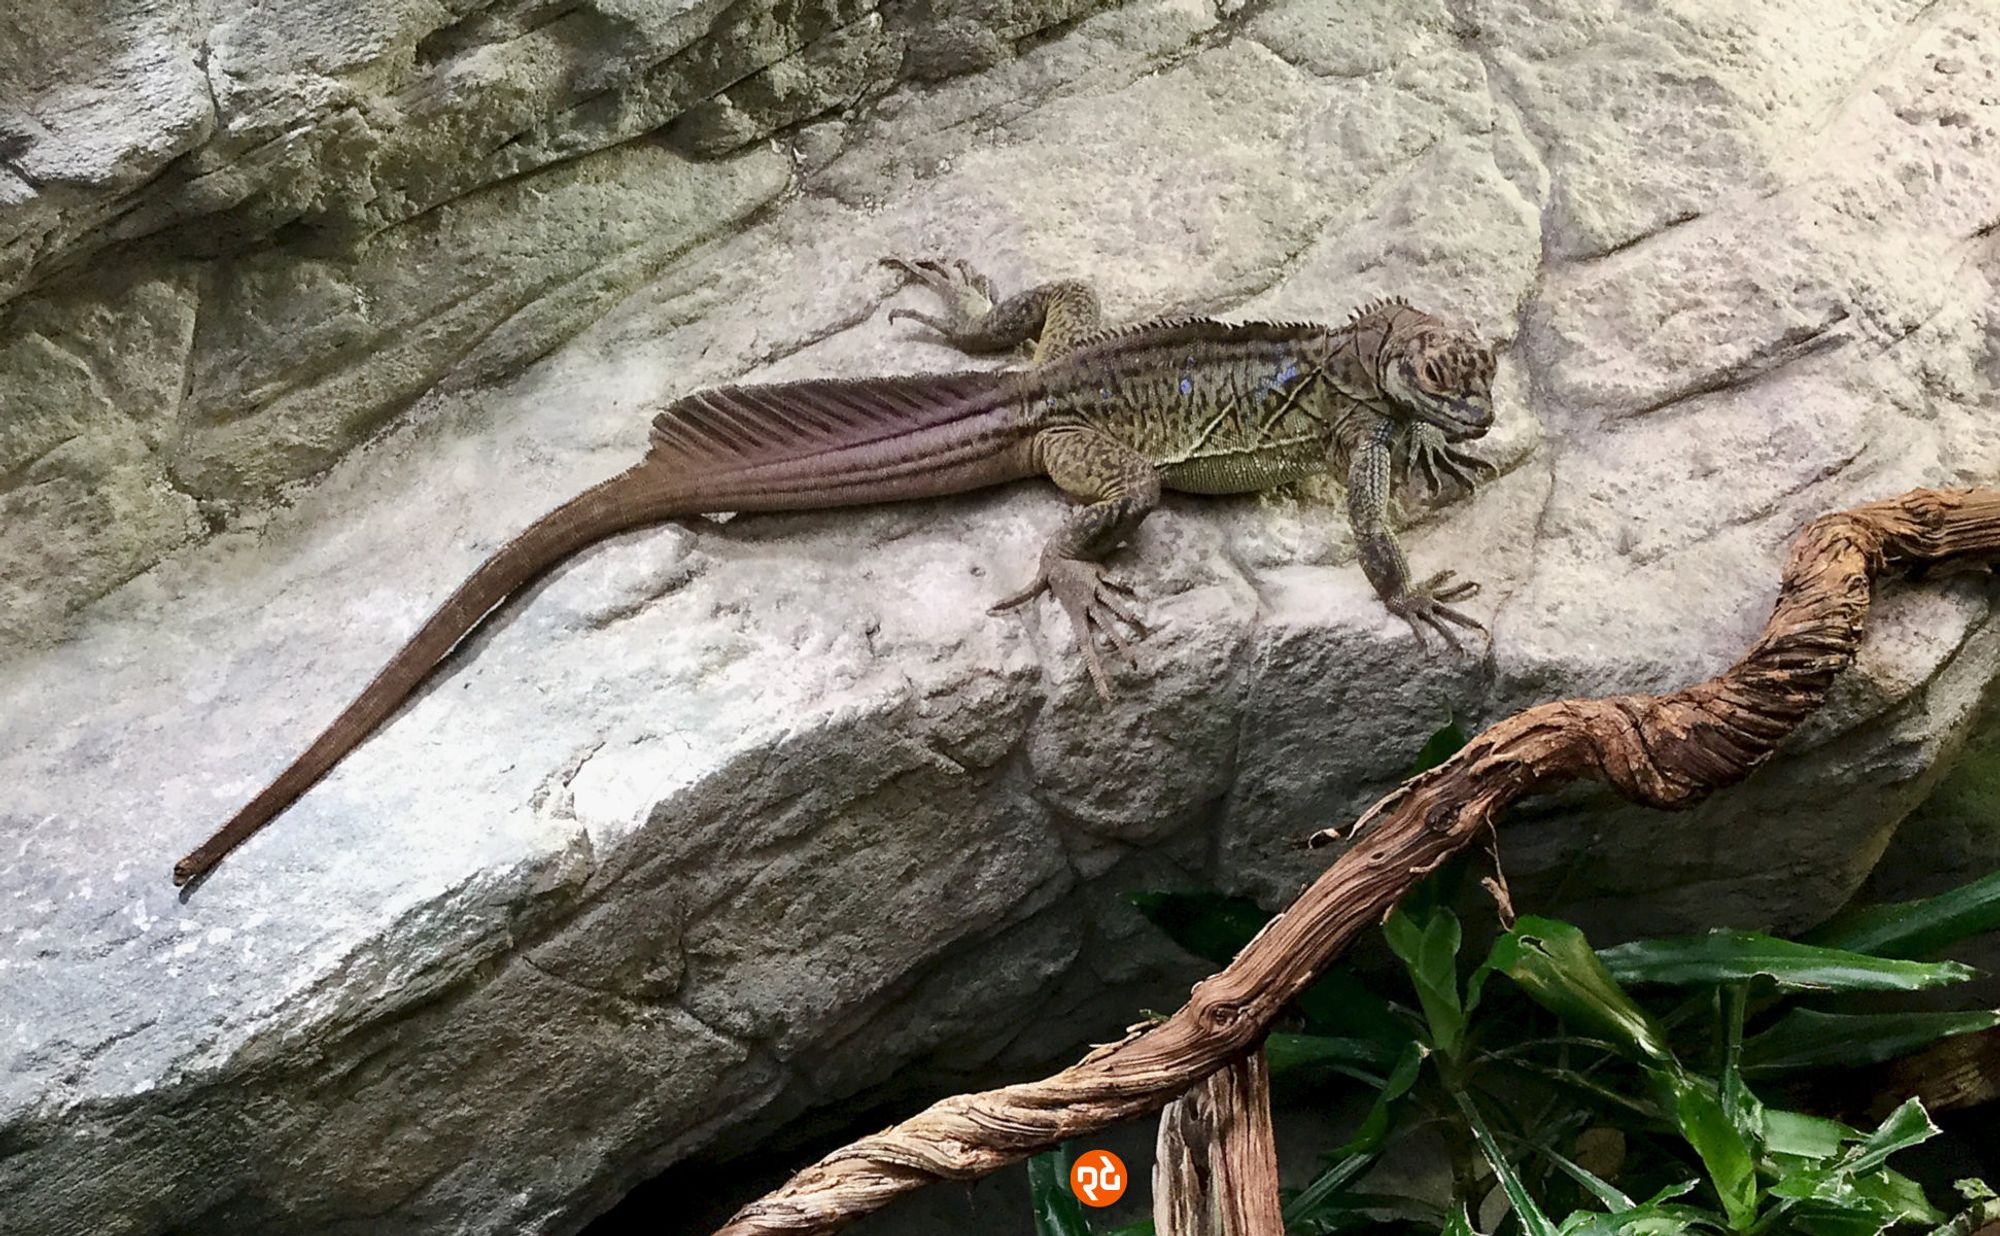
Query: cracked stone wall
{"type": "Point", "coordinates": [237, 243]}
{"type": "Point", "coordinates": [721, 835]}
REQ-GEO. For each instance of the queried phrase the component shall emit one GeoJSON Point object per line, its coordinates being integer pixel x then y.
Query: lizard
{"type": "Point", "coordinates": [1112, 415]}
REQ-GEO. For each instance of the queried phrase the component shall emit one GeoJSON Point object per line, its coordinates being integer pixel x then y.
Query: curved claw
{"type": "Point", "coordinates": [898, 315]}
{"type": "Point", "coordinates": [1095, 612]}
{"type": "Point", "coordinates": [1440, 587]}
{"type": "Point", "coordinates": [1037, 587]}
{"type": "Point", "coordinates": [1445, 470]}
{"type": "Point", "coordinates": [967, 294]}
{"type": "Point", "coordinates": [929, 273]}
{"type": "Point", "coordinates": [1428, 605]}
{"type": "Point", "coordinates": [974, 280]}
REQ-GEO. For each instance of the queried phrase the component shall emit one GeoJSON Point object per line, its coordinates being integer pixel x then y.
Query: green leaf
{"type": "Point", "coordinates": [1907, 1126]}
{"type": "Point", "coordinates": [1645, 1220]}
{"type": "Point", "coordinates": [1826, 1219]}
{"type": "Point", "coordinates": [1698, 1113]}
{"type": "Point", "coordinates": [1656, 1216]}
{"type": "Point", "coordinates": [1316, 1203]}
{"type": "Point", "coordinates": [1553, 963]}
{"type": "Point", "coordinates": [1212, 926]}
{"type": "Point", "coordinates": [1670, 1192]}
{"type": "Point", "coordinates": [1917, 928]}
{"type": "Point", "coordinates": [1341, 1005]}
{"type": "Point", "coordinates": [1288, 1053]}
{"type": "Point", "coordinates": [1803, 1136]}
{"type": "Point", "coordinates": [1056, 1210]}
{"type": "Point", "coordinates": [1378, 1210]}
{"type": "Point", "coordinates": [1428, 948]}
{"type": "Point", "coordinates": [1534, 1222]}
{"type": "Point", "coordinates": [1839, 1200]}
{"type": "Point", "coordinates": [1734, 956]}
{"type": "Point", "coordinates": [1743, 1108]}
{"type": "Point", "coordinates": [1807, 1039]}
{"type": "Point", "coordinates": [1458, 1224]}
{"type": "Point", "coordinates": [1857, 1189]}
{"type": "Point", "coordinates": [1374, 1130]}
{"type": "Point", "coordinates": [1599, 1187]}
{"type": "Point", "coordinates": [1311, 1203]}
{"type": "Point", "coordinates": [1900, 1195]}
{"type": "Point", "coordinates": [1438, 748]}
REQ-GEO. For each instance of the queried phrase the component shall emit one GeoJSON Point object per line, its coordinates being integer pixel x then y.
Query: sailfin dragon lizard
{"type": "Point", "coordinates": [1112, 416]}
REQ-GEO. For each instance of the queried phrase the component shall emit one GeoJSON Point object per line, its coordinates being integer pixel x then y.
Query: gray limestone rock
{"type": "Point", "coordinates": [205, 127]}
{"type": "Point", "coordinates": [724, 832]}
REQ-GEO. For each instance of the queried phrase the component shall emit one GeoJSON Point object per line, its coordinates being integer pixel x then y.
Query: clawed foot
{"type": "Point", "coordinates": [967, 294]}
{"type": "Point", "coordinates": [1429, 605]}
{"type": "Point", "coordinates": [1096, 605]}
{"type": "Point", "coordinates": [1444, 471]}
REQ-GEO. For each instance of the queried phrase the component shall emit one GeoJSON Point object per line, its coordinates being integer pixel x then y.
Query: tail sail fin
{"type": "Point", "coordinates": [837, 441]}
{"type": "Point", "coordinates": [783, 446]}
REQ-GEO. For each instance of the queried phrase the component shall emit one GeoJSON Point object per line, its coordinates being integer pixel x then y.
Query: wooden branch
{"type": "Point", "coordinates": [1949, 1075]}
{"type": "Point", "coordinates": [1667, 751]}
{"type": "Point", "coordinates": [1215, 1169]}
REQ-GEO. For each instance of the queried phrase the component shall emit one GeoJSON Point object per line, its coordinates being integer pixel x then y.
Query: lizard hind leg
{"type": "Point", "coordinates": [1117, 487]}
{"type": "Point", "coordinates": [1052, 316]}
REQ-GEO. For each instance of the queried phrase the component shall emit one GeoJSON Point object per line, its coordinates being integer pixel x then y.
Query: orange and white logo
{"type": "Point", "coordinates": [1097, 1178]}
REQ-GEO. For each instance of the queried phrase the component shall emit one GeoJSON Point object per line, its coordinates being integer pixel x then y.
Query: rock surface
{"type": "Point", "coordinates": [725, 833]}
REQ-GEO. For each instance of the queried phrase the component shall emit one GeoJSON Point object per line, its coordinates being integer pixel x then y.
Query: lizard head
{"type": "Point", "coordinates": [1437, 372]}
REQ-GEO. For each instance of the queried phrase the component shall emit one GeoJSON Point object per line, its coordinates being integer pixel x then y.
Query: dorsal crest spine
{"type": "Point", "coordinates": [1191, 328]}
{"type": "Point", "coordinates": [1380, 304]}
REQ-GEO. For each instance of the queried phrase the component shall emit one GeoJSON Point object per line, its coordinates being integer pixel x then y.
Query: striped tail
{"type": "Point", "coordinates": [797, 445]}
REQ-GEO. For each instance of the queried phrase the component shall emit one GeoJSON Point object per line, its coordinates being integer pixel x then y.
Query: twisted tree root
{"type": "Point", "coordinates": [1666, 751]}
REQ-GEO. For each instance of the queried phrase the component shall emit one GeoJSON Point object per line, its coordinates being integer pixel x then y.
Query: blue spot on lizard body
{"type": "Point", "coordinates": [1187, 386]}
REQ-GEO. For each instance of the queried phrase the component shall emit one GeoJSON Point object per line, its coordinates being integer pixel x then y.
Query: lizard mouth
{"type": "Point", "coordinates": [1461, 419]}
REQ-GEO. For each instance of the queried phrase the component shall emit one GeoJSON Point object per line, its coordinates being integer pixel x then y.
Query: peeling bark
{"type": "Point", "coordinates": [1215, 1171]}
{"type": "Point", "coordinates": [1668, 751]}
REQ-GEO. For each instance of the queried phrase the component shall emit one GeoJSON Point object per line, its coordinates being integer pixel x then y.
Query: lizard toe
{"type": "Point", "coordinates": [1081, 589]}
{"type": "Point", "coordinates": [1110, 607]}
{"type": "Point", "coordinates": [1119, 641]}
{"type": "Point", "coordinates": [1416, 625]}
{"type": "Point", "coordinates": [1435, 620]}
{"type": "Point", "coordinates": [1035, 588]}
{"type": "Point", "coordinates": [905, 267]}
{"type": "Point", "coordinates": [1095, 664]}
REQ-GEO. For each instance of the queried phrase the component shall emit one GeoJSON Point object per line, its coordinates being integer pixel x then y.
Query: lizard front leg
{"type": "Point", "coordinates": [1118, 487]}
{"type": "Point", "coordinates": [1053, 316]}
{"type": "Point", "coordinates": [1427, 603]}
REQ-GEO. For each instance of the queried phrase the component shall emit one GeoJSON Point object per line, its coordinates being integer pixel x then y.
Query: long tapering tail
{"type": "Point", "coordinates": [628, 500]}
{"type": "Point", "coordinates": [783, 446]}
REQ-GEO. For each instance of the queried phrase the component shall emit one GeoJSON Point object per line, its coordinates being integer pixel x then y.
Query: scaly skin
{"type": "Point", "coordinates": [1195, 405]}
{"type": "Point", "coordinates": [1112, 417]}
